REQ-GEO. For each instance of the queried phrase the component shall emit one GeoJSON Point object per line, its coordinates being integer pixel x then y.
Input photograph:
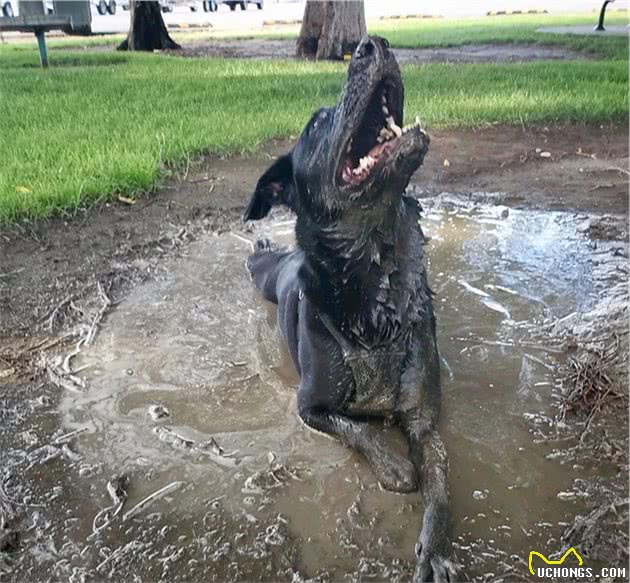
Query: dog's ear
{"type": "Point", "coordinates": [275, 186]}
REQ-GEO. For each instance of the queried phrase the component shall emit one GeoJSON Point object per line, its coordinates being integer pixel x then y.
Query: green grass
{"type": "Point", "coordinates": [415, 33]}
{"type": "Point", "coordinates": [505, 30]}
{"type": "Point", "coordinates": [437, 32]}
{"type": "Point", "coordinates": [100, 123]}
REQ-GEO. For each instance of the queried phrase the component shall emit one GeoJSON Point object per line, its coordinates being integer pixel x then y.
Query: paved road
{"type": "Point", "coordinates": [253, 18]}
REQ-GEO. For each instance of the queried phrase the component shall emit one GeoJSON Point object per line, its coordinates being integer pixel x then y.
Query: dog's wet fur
{"type": "Point", "coordinates": [353, 301]}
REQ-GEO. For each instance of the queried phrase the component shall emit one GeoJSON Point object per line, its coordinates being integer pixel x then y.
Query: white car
{"type": "Point", "coordinates": [10, 7]}
{"type": "Point", "coordinates": [213, 5]}
{"type": "Point", "coordinates": [169, 5]}
{"type": "Point", "coordinates": [105, 6]}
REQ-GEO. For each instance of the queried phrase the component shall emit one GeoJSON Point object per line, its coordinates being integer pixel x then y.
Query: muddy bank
{"type": "Point", "coordinates": [473, 53]}
{"type": "Point", "coordinates": [51, 488]}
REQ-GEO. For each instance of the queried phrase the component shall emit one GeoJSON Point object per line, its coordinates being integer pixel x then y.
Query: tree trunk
{"type": "Point", "coordinates": [147, 31]}
{"type": "Point", "coordinates": [331, 28]}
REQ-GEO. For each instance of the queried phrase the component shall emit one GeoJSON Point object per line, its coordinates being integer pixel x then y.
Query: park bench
{"type": "Point", "coordinates": [70, 16]}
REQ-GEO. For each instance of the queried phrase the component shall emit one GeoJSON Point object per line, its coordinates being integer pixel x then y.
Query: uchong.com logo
{"type": "Point", "coordinates": [555, 568]}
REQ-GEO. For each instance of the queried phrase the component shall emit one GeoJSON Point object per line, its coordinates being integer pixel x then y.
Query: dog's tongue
{"type": "Point", "coordinates": [355, 175]}
{"type": "Point", "coordinates": [377, 150]}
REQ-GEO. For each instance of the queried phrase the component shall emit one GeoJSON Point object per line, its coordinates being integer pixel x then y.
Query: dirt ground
{"type": "Point", "coordinates": [472, 53]}
{"type": "Point", "coordinates": [582, 168]}
{"type": "Point", "coordinates": [49, 272]}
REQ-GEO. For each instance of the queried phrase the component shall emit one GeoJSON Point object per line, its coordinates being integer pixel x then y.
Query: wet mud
{"type": "Point", "coordinates": [187, 388]}
{"type": "Point", "coordinates": [176, 452]}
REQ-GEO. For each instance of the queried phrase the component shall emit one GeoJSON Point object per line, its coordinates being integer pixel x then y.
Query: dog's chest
{"type": "Point", "coordinates": [376, 373]}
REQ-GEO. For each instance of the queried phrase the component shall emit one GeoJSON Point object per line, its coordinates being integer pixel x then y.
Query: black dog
{"type": "Point", "coordinates": [353, 301]}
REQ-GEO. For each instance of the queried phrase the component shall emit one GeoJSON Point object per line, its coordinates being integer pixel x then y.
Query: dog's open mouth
{"type": "Point", "coordinates": [377, 137]}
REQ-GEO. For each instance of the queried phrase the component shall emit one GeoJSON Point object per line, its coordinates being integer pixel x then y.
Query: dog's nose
{"type": "Point", "coordinates": [366, 48]}
{"type": "Point", "coordinates": [370, 45]}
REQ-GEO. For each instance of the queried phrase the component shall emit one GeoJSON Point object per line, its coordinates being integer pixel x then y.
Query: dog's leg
{"type": "Point", "coordinates": [264, 266]}
{"type": "Point", "coordinates": [394, 472]}
{"type": "Point", "coordinates": [429, 456]}
{"type": "Point", "coordinates": [419, 403]}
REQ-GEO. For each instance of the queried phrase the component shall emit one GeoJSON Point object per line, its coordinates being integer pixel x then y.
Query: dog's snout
{"type": "Point", "coordinates": [366, 48]}
{"type": "Point", "coordinates": [372, 47]}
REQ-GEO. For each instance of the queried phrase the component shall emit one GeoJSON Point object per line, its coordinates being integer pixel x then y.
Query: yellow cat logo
{"type": "Point", "coordinates": [550, 562]}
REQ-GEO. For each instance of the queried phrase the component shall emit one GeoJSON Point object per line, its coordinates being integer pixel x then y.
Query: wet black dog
{"type": "Point", "coordinates": [353, 301]}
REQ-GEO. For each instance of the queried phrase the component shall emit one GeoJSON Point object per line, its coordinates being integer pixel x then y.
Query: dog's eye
{"type": "Point", "coordinates": [320, 117]}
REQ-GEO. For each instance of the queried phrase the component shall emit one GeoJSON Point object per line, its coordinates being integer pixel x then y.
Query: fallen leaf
{"type": "Point", "coordinates": [126, 200]}
{"type": "Point", "coordinates": [7, 372]}
{"type": "Point", "coordinates": [23, 189]}
{"type": "Point", "coordinates": [446, 163]}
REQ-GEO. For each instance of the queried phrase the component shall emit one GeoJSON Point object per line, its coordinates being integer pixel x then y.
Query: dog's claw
{"type": "Point", "coordinates": [397, 475]}
{"type": "Point", "coordinates": [434, 568]}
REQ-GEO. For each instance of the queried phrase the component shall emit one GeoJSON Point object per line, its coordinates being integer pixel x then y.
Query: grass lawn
{"type": "Point", "coordinates": [99, 123]}
{"type": "Point", "coordinates": [504, 30]}
{"type": "Point", "coordinates": [429, 32]}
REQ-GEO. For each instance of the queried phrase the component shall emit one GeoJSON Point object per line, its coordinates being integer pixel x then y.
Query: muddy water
{"type": "Point", "coordinates": [200, 343]}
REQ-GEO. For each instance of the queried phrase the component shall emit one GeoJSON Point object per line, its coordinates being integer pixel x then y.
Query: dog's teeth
{"type": "Point", "coordinates": [385, 110]}
{"type": "Point", "coordinates": [393, 127]}
{"type": "Point", "coordinates": [383, 99]}
{"type": "Point", "coordinates": [386, 134]}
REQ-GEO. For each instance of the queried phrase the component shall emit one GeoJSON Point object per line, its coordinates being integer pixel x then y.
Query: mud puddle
{"type": "Point", "coordinates": [189, 389]}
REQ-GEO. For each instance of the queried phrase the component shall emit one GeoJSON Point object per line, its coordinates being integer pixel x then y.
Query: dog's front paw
{"type": "Point", "coordinates": [397, 474]}
{"type": "Point", "coordinates": [434, 567]}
